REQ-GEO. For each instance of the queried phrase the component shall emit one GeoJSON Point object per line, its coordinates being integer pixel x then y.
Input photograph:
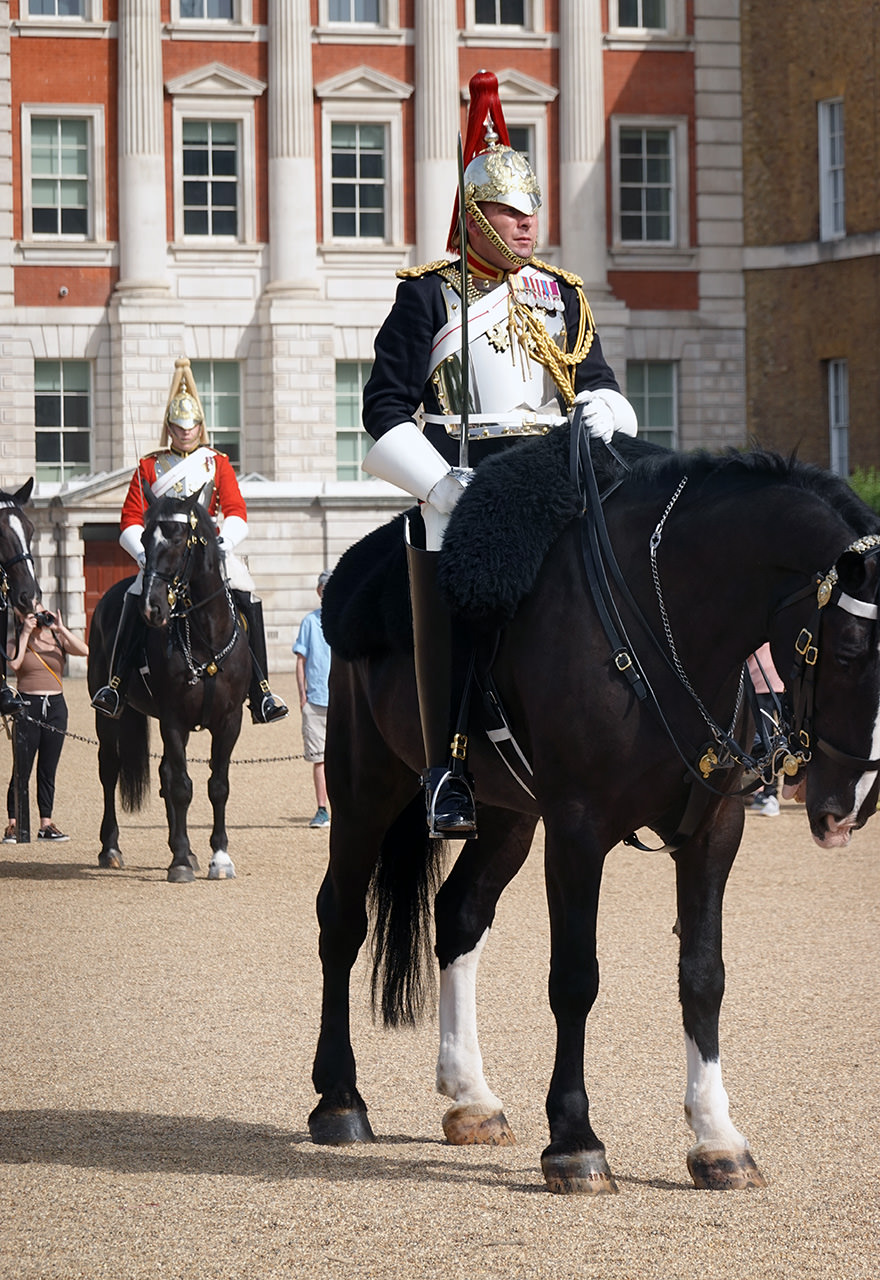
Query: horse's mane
{"type": "Point", "coordinates": [651, 464]}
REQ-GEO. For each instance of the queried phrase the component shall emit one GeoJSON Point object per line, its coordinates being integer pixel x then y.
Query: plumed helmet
{"type": "Point", "coordinates": [492, 169]}
{"type": "Point", "coordinates": [184, 407]}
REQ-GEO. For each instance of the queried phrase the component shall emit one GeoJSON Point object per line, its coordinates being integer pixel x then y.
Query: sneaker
{"type": "Point", "coordinates": [321, 818]}
{"type": "Point", "coordinates": [768, 806]}
{"type": "Point", "coordinates": [9, 834]}
{"type": "Point", "coordinates": [51, 833]}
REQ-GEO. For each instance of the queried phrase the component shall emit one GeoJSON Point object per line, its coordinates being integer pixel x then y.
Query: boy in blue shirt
{"type": "Point", "coordinates": [312, 676]}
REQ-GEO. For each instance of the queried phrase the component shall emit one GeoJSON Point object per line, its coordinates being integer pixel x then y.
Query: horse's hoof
{"type": "Point", "coordinates": [337, 1128]}
{"type": "Point", "coordinates": [578, 1173]}
{"type": "Point", "coordinates": [724, 1170]}
{"type": "Point", "coordinates": [180, 874]}
{"type": "Point", "coordinates": [470, 1126]}
{"type": "Point", "coordinates": [110, 860]}
{"type": "Point", "coordinates": [221, 867]}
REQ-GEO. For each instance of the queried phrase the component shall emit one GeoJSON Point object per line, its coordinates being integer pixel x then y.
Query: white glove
{"type": "Point", "coordinates": [607, 411]}
{"type": "Point", "coordinates": [233, 532]}
{"type": "Point", "coordinates": [131, 541]}
{"type": "Point", "coordinates": [447, 491]}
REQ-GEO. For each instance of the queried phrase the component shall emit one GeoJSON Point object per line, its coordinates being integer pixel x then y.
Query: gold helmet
{"type": "Point", "coordinates": [493, 169]}
{"type": "Point", "coordinates": [184, 407]}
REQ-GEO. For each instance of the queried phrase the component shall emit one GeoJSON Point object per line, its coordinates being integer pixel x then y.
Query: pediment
{"type": "Point", "coordinates": [215, 81]}
{"type": "Point", "coordinates": [364, 84]}
{"type": "Point", "coordinates": [514, 86]}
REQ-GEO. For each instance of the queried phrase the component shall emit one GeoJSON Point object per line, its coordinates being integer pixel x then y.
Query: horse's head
{"type": "Point", "coordinates": [182, 557]}
{"type": "Point", "coordinates": [18, 583]}
{"type": "Point", "coordinates": [843, 778]}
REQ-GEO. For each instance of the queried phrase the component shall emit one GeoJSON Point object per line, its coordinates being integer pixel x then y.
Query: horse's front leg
{"type": "Point", "coordinates": [221, 866]}
{"type": "Point", "coordinates": [110, 857]}
{"type": "Point", "coordinates": [720, 1159]}
{"type": "Point", "coordinates": [176, 791]}
{"type": "Point", "coordinates": [464, 910]}
{"type": "Point", "coordinates": [575, 1160]}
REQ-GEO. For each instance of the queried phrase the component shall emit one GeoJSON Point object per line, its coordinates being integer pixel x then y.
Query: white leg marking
{"type": "Point", "coordinates": [221, 866]}
{"type": "Point", "coordinates": [706, 1105]}
{"type": "Point", "coordinates": [459, 1062]}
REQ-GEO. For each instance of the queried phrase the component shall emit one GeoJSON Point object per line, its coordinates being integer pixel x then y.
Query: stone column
{"type": "Point", "coordinates": [437, 121]}
{"type": "Point", "coordinates": [582, 143]}
{"type": "Point", "coordinates": [143, 233]}
{"type": "Point", "coordinates": [293, 230]}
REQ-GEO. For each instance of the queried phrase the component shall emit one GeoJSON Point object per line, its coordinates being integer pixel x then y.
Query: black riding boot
{"type": "Point", "coordinates": [110, 698]}
{"type": "Point", "coordinates": [449, 791]}
{"type": "Point", "coordinates": [265, 706]}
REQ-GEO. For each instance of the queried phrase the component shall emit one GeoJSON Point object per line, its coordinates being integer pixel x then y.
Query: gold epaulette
{"type": "Point", "coordinates": [414, 273]}
{"type": "Point", "coordinates": [568, 276]}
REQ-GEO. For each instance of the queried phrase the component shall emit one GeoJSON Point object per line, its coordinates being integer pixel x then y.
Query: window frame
{"type": "Point", "coordinates": [828, 205]}
{"type": "Point", "coordinates": [389, 114]}
{"type": "Point", "coordinates": [364, 370]}
{"type": "Point", "coordinates": [187, 108]}
{"type": "Point", "coordinates": [675, 29]}
{"type": "Point", "coordinates": [838, 422]}
{"type": "Point", "coordinates": [96, 178]}
{"type": "Point", "coordinates": [677, 127]}
{"type": "Point", "coordinates": [533, 13]}
{"type": "Point", "coordinates": [64, 23]}
{"type": "Point", "coordinates": [242, 16]}
{"type": "Point", "coordinates": [386, 29]}
{"type": "Point", "coordinates": [645, 428]}
{"type": "Point", "coordinates": [59, 429]}
{"type": "Point", "coordinates": [208, 397]}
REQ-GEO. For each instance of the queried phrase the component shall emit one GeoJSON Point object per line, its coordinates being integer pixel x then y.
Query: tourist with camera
{"type": "Point", "coordinates": [37, 658]}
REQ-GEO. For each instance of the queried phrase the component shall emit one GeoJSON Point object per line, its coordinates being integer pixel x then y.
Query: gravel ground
{"type": "Point", "coordinates": [157, 1044]}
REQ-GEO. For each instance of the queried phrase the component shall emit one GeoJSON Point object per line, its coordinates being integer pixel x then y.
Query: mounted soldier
{"type": "Point", "coordinates": [184, 465]}
{"type": "Point", "coordinates": [532, 354]}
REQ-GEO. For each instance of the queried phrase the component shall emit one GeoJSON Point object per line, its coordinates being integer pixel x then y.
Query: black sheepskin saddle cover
{"type": "Point", "coordinates": [515, 507]}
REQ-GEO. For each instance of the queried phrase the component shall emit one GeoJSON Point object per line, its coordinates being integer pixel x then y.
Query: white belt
{"type": "Point", "coordinates": [482, 426]}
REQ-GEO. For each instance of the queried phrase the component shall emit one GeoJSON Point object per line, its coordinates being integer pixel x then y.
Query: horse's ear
{"type": "Point", "coordinates": [149, 496]}
{"type": "Point", "coordinates": [204, 494]}
{"type": "Point", "coordinates": [23, 496]}
{"type": "Point", "coordinates": [851, 571]}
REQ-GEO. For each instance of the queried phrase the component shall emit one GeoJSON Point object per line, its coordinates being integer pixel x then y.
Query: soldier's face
{"type": "Point", "coordinates": [519, 231]}
{"type": "Point", "coordinates": [184, 436]}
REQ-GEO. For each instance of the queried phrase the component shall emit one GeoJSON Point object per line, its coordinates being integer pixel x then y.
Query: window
{"type": "Point", "coordinates": [210, 178]}
{"type": "Point", "coordinates": [62, 413]}
{"type": "Point", "coordinates": [56, 8]}
{"type": "Point", "coordinates": [219, 387]}
{"type": "Point", "coordinates": [59, 187]}
{"type": "Point", "coordinates": [838, 416]}
{"type": "Point", "coordinates": [500, 13]}
{"type": "Point", "coordinates": [832, 205]}
{"type": "Point", "coordinates": [352, 442]}
{"type": "Point", "coordinates": [522, 138]}
{"type": "Point", "coordinates": [358, 186]}
{"type": "Point", "coordinates": [643, 15]}
{"type": "Point", "coordinates": [353, 11]}
{"type": "Point", "coordinates": [651, 388]}
{"type": "Point", "coordinates": [646, 186]}
{"type": "Point", "coordinates": [207, 10]}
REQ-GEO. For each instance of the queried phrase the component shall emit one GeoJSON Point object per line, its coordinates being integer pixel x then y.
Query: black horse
{"type": "Point", "coordinates": [18, 584]}
{"type": "Point", "coordinates": [640, 730]}
{"type": "Point", "coordinates": [193, 673]}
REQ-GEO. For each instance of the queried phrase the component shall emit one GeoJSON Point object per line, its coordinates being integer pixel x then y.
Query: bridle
{"type": "Point", "coordinates": [183, 607]}
{"type": "Point", "coordinates": [7, 564]}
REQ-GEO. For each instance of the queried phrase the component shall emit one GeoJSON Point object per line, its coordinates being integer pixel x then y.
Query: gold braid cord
{"type": "Point", "coordinates": [536, 343]}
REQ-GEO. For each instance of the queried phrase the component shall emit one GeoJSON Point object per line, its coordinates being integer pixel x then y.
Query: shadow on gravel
{"type": "Point", "coordinates": [47, 870]}
{"type": "Point", "coordinates": [136, 1142]}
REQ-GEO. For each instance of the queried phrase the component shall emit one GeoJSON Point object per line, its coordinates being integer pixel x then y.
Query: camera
{"type": "Point", "coordinates": [45, 619]}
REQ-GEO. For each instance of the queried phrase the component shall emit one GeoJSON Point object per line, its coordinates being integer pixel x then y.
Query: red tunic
{"type": "Point", "coordinates": [226, 497]}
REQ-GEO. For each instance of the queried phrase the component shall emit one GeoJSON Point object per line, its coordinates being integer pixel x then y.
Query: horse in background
{"type": "Point", "coordinates": [19, 588]}
{"type": "Point", "coordinates": [705, 559]}
{"type": "Point", "coordinates": [194, 674]}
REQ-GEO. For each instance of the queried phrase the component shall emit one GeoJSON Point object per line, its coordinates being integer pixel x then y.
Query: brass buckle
{"type": "Point", "coordinates": [623, 661]}
{"type": "Point", "coordinates": [805, 647]}
{"type": "Point", "coordinates": [458, 746]}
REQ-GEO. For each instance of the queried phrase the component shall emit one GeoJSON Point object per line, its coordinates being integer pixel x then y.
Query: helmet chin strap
{"type": "Point", "coordinates": [493, 237]}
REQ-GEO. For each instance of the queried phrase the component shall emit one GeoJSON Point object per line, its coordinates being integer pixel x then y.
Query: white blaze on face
{"type": "Point", "coordinates": [459, 1062]}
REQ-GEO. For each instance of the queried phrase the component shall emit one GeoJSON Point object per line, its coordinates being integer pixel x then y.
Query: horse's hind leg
{"type": "Point", "coordinates": [110, 857]}
{"type": "Point", "coordinates": [176, 790]}
{"type": "Point", "coordinates": [464, 910]}
{"type": "Point", "coordinates": [720, 1159]}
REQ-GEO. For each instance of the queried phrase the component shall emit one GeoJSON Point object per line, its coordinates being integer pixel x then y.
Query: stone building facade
{"type": "Point", "coordinates": [239, 180]}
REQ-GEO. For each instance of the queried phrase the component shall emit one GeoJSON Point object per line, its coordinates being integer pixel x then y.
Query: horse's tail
{"type": "Point", "coordinates": [402, 889]}
{"type": "Point", "coordinates": [134, 759]}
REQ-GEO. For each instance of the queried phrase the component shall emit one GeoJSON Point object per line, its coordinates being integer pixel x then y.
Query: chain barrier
{"type": "Point", "coordinates": [154, 755]}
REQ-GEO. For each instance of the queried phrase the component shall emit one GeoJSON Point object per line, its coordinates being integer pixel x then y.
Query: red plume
{"type": "Point", "coordinates": [485, 102]}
